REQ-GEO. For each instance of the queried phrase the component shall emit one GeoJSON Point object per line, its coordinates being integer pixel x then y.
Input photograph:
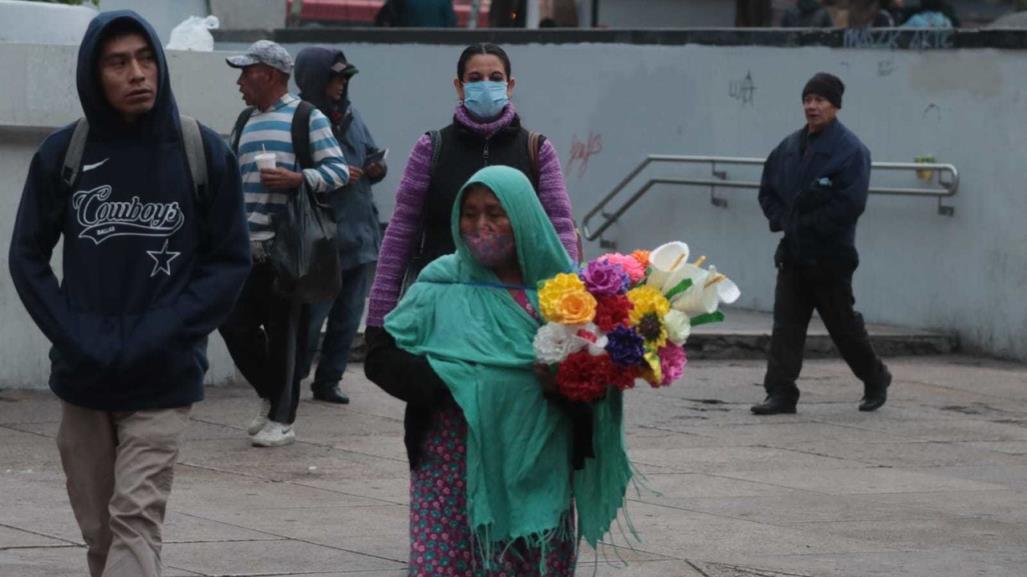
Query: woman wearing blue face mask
{"type": "Point", "coordinates": [486, 130]}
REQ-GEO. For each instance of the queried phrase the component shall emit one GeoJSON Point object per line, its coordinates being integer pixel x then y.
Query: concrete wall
{"type": "Point", "coordinates": [605, 106]}
{"type": "Point", "coordinates": [19, 22]}
{"type": "Point", "coordinates": [249, 14]}
{"type": "Point", "coordinates": [162, 14]}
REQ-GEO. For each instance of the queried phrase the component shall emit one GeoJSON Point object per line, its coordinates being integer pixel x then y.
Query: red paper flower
{"type": "Point", "coordinates": [625, 377]}
{"type": "Point", "coordinates": [611, 312]}
{"type": "Point", "coordinates": [583, 377]}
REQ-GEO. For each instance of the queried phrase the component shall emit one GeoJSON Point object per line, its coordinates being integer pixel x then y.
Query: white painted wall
{"type": "Point", "coordinates": [962, 274]}
{"type": "Point", "coordinates": [20, 22]}
{"type": "Point", "coordinates": [163, 15]}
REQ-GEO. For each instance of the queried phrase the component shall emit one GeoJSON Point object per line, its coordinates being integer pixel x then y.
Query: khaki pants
{"type": "Point", "coordinates": [119, 467]}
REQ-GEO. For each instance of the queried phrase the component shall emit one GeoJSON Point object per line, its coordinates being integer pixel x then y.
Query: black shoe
{"type": "Point", "coordinates": [774, 406]}
{"type": "Point", "coordinates": [874, 397]}
{"type": "Point", "coordinates": [330, 394]}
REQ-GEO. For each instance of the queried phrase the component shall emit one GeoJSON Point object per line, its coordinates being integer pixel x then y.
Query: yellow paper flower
{"type": "Point", "coordinates": [659, 341]}
{"type": "Point", "coordinates": [563, 299]}
{"type": "Point", "coordinates": [652, 330]}
{"type": "Point", "coordinates": [654, 374]}
{"type": "Point", "coordinates": [576, 308]}
{"type": "Point", "coordinates": [647, 299]}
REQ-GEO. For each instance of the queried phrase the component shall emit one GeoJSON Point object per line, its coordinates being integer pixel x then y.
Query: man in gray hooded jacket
{"type": "Point", "coordinates": [323, 75]}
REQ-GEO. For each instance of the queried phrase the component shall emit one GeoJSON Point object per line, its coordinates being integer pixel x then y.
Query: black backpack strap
{"type": "Point", "coordinates": [301, 135]}
{"type": "Point", "coordinates": [436, 150]}
{"type": "Point", "coordinates": [240, 123]}
{"type": "Point", "coordinates": [73, 155]}
{"type": "Point", "coordinates": [535, 140]}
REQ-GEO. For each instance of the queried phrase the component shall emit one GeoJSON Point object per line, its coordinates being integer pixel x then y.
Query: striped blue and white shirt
{"type": "Point", "coordinates": [271, 131]}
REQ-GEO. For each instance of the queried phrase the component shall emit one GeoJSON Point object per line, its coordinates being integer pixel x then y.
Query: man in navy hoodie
{"type": "Point", "coordinates": [814, 189]}
{"type": "Point", "coordinates": [150, 267]}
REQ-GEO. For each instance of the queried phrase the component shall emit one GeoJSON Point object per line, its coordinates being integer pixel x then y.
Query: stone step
{"type": "Point", "coordinates": [746, 335]}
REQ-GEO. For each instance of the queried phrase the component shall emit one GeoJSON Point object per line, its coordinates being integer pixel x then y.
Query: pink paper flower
{"type": "Point", "coordinates": [635, 270]}
{"type": "Point", "coordinates": [672, 363]}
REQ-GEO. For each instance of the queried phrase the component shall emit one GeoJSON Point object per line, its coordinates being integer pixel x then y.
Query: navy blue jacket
{"type": "Point", "coordinates": [816, 197]}
{"type": "Point", "coordinates": [148, 272]}
{"type": "Point", "coordinates": [359, 232]}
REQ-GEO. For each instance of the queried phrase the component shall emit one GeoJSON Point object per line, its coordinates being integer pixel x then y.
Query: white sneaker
{"type": "Point", "coordinates": [260, 420]}
{"type": "Point", "coordinates": [274, 435]}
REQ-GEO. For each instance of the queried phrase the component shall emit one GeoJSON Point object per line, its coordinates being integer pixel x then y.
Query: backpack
{"type": "Point", "coordinates": [300, 132]}
{"type": "Point", "coordinates": [195, 155]}
{"type": "Point", "coordinates": [192, 141]}
{"type": "Point", "coordinates": [303, 252]}
{"type": "Point", "coordinates": [534, 144]}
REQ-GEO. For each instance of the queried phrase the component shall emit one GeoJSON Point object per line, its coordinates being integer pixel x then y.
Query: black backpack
{"type": "Point", "coordinates": [300, 131]}
{"type": "Point", "coordinates": [195, 155]}
{"type": "Point", "coordinates": [192, 141]}
{"type": "Point", "coordinates": [303, 253]}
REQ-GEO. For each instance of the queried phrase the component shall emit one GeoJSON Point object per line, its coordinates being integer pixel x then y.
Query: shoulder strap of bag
{"type": "Point", "coordinates": [73, 156]}
{"type": "Point", "coordinates": [196, 156]}
{"type": "Point", "coordinates": [535, 140]}
{"type": "Point", "coordinates": [301, 134]}
{"type": "Point", "coordinates": [436, 151]}
{"type": "Point", "coordinates": [240, 124]}
{"type": "Point", "coordinates": [191, 138]}
{"type": "Point", "coordinates": [419, 239]}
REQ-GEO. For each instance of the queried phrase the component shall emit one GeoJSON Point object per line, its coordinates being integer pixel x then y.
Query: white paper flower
{"type": "Point", "coordinates": [666, 264]}
{"type": "Point", "coordinates": [591, 337]}
{"type": "Point", "coordinates": [708, 290]}
{"type": "Point", "coordinates": [678, 326]}
{"type": "Point", "coordinates": [727, 291]}
{"type": "Point", "coordinates": [555, 342]}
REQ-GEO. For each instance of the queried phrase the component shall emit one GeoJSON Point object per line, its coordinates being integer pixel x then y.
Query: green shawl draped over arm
{"type": "Point", "coordinates": [479, 340]}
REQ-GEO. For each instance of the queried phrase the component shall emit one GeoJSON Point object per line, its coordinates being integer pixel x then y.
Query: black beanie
{"type": "Point", "coordinates": [827, 86]}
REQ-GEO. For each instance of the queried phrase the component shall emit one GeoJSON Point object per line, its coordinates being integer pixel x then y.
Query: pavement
{"type": "Point", "coordinates": [934, 484]}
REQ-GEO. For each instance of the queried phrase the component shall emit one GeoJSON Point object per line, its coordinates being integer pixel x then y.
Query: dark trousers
{"type": "Point", "coordinates": [826, 287]}
{"type": "Point", "coordinates": [257, 333]}
{"type": "Point", "coordinates": [343, 316]}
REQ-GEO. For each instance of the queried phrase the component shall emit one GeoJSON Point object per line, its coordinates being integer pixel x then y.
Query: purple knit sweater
{"type": "Point", "coordinates": [401, 236]}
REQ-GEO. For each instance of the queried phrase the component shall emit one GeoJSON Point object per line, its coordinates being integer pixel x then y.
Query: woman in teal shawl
{"type": "Point", "coordinates": [494, 484]}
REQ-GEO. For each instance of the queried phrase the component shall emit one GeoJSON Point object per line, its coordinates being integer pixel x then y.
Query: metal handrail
{"type": "Point", "coordinates": [719, 179]}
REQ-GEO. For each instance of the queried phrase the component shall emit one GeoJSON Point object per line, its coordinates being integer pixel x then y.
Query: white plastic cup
{"type": "Point", "coordinates": [265, 160]}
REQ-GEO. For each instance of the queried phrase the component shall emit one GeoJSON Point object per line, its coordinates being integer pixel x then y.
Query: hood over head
{"type": "Point", "coordinates": [540, 253]}
{"type": "Point", "coordinates": [103, 119]}
{"type": "Point", "coordinates": [315, 67]}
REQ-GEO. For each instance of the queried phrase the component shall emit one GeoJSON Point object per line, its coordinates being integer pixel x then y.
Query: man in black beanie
{"type": "Point", "coordinates": [814, 188]}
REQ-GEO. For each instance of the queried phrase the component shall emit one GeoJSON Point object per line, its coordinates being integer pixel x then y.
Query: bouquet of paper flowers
{"type": "Point", "coordinates": [626, 317]}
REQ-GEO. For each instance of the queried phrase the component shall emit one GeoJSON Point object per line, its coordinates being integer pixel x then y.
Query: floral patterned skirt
{"type": "Point", "coordinates": [441, 542]}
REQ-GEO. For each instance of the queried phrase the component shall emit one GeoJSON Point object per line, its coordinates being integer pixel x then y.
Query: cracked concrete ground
{"type": "Point", "coordinates": [934, 484]}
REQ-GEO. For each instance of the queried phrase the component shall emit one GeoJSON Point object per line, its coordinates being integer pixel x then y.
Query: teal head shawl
{"type": "Point", "coordinates": [479, 340]}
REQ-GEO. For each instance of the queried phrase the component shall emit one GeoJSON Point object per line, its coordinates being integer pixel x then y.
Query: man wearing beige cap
{"type": "Point", "coordinates": [305, 151]}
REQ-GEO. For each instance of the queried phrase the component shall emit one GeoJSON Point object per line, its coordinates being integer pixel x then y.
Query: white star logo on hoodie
{"type": "Point", "coordinates": [162, 259]}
